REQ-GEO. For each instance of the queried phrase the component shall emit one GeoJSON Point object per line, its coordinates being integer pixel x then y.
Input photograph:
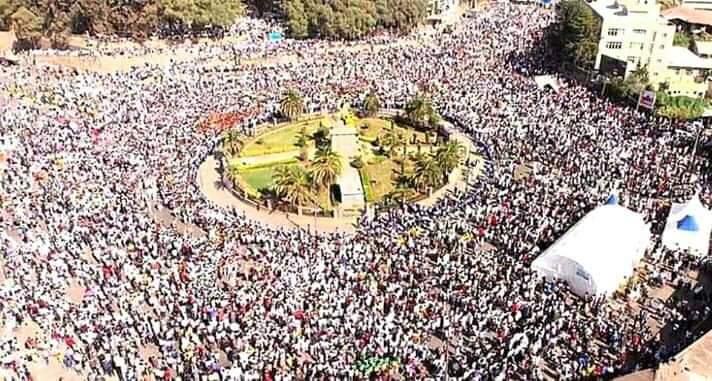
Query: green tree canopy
{"type": "Point", "coordinates": [55, 19]}
{"type": "Point", "coordinates": [351, 19]}
{"type": "Point", "coordinates": [578, 32]}
{"type": "Point", "coordinates": [292, 184]}
{"type": "Point", "coordinates": [292, 105]}
{"type": "Point", "coordinates": [325, 168]}
{"type": "Point", "coordinates": [421, 111]}
{"type": "Point", "coordinates": [202, 13]}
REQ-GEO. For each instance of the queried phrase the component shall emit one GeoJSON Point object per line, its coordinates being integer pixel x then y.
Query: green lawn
{"type": "Point", "coordinates": [259, 179]}
{"type": "Point", "coordinates": [283, 139]}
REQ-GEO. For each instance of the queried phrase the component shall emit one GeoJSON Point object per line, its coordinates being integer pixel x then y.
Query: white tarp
{"type": "Point", "coordinates": [597, 253]}
{"type": "Point", "coordinates": [676, 236]}
{"type": "Point", "coordinates": [542, 81]}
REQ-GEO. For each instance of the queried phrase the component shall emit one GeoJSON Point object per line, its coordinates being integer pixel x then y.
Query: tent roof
{"type": "Point", "coordinates": [612, 200]}
{"type": "Point", "coordinates": [688, 223]}
{"type": "Point", "coordinates": [605, 243]}
{"type": "Point", "coordinates": [688, 227]}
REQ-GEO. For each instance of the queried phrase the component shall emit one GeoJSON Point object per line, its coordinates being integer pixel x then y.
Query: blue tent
{"type": "Point", "coordinates": [612, 200]}
{"type": "Point", "coordinates": [688, 223]}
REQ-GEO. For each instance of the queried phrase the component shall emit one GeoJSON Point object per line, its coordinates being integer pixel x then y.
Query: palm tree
{"type": "Point", "coordinates": [292, 105]}
{"type": "Point", "coordinates": [448, 156]}
{"type": "Point", "coordinates": [392, 140]}
{"type": "Point", "coordinates": [233, 142]}
{"type": "Point", "coordinates": [325, 168]}
{"type": "Point", "coordinates": [421, 112]}
{"type": "Point", "coordinates": [371, 104]}
{"type": "Point", "coordinates": [292, 185]}
{"type": "Point", "coordinates": [427, 173]}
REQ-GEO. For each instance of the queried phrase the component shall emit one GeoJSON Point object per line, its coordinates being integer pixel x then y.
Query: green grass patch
{"type": "Point", "coordinates": [366, 183]}
{"type": "Point", "coordinates": [283, 139]}
{"type": "Point", "coordinates": [381, 178]}
{"type": "Point", "coordinates": [259, 179]}
{"type": "Point", "coordinates": [277, 163]}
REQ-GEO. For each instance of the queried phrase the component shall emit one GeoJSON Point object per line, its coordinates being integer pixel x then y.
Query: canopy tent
{"type": "Point", "coordinates": [688, 227]}
{"type": "Point", "coordinates": [612, 200]}
{"type": "Point", "coordinates": [597, 253]}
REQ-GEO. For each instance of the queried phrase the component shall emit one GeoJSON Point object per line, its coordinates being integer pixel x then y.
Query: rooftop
{"type": "Point", "coordinates": [610, 9]}
{"type": "Point", "coordinates": [689, 15]}
{"type": "Point", "coordinates": [683, 57]}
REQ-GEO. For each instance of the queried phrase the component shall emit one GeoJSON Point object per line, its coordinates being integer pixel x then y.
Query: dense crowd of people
{"type": "Point", "coordinates": [422, 291]}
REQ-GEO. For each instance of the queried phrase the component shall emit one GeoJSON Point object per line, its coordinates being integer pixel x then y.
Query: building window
{"type": "Point", "coordinates": [614, 31]}
{"type": "Point", "coordinates": [614, 45]}
{"type": "Point", "coordinates": [639, 31]}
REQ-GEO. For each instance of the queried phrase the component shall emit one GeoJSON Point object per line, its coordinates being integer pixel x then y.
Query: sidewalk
{"type": "Point", "coordinates": [208, 178]}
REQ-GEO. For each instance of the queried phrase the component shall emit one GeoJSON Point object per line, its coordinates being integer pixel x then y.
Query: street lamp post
{"type": "Point", "coordinates": [694, 151]}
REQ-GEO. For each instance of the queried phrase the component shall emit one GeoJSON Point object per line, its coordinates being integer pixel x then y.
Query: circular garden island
{"type": "Point", "coordinates": [338, 164]}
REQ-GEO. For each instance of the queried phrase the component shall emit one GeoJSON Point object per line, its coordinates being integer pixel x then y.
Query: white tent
{"type": "Point", "coordinates": [688, 227]}
{"type": "Point", "coordinates": [597, 253]}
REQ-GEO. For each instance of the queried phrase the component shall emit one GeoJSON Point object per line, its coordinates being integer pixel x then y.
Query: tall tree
{"type": "Point", "coordinates": [27, 26]}
{"type": "Point", "coordinates": [421, 111]}
{"type": "Point", "coordinates": [427, 173]}
{"type": "Point", "coordinates": [292, 105]}
{"type": "Point", "coordinates": [351, 19]}
{"type": "Point", "coordinates": [202, 13]}
{"type": "Point", "coordinates": [297, 22]}
{"type": "Point", "coordinates": [325, 168]}
{"type": "Point", "coordinates": [448, 156]}
{"type": "Point", "coordinates": [233, 142]}
{"type": "Point", "coordinates": [578, 32]}
{"type": "Point", "coordinates": [293, 186]}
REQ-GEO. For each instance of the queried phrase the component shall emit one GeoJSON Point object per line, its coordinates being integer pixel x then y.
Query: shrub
{"type": "Point", "coordinates": [679, 107]}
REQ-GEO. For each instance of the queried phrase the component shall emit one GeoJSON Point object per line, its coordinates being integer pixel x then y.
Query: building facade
{"type": "Point", "coordinates": [634, 34]}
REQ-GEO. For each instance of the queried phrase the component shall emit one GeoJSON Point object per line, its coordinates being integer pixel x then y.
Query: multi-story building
{"type": "Point", "coordinates": [634, 34]}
